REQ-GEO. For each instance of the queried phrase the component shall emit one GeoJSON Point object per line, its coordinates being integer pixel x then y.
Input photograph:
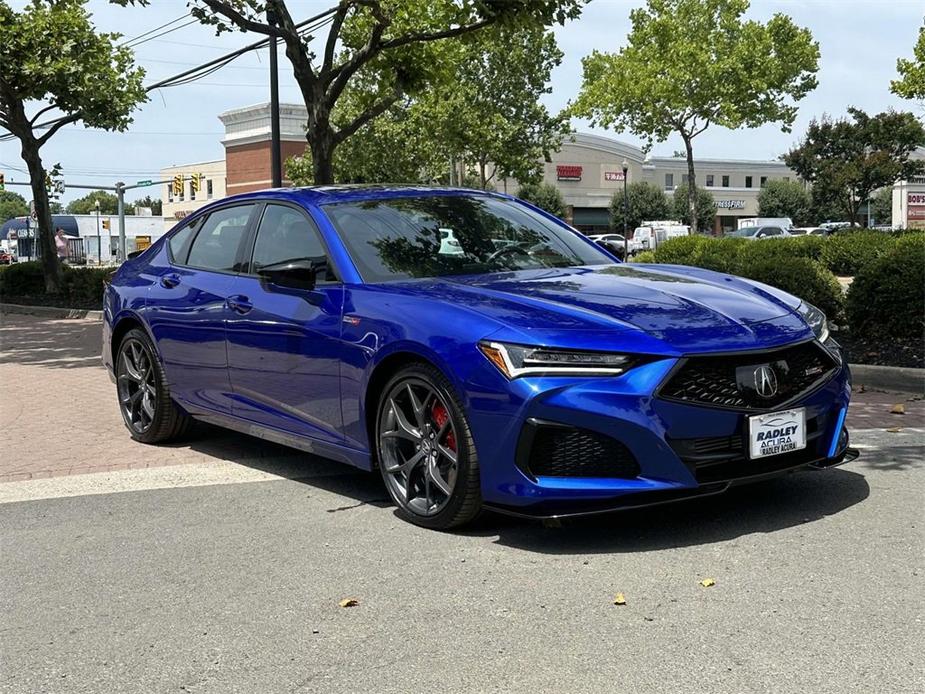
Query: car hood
{"type": "Point", "coordinates": [684, 309]}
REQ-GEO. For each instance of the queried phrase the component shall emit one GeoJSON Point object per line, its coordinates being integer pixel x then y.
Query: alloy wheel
{"type": "Point", "coordinates": [137, 386]}
{"type": "Point", "coordinates": [418, 447]}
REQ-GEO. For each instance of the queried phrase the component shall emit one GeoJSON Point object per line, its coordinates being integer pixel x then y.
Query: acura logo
{"type": "Point", "coordinates": [765, 381]}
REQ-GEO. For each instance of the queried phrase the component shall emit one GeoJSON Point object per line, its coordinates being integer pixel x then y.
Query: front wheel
{"type": "Point", "coordinates": [147, 409]}
{"type": "Point", "coordinates": [425, 450]}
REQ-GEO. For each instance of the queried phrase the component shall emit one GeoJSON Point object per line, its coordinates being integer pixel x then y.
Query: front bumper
{"type": "Point", "coordinates": [654, 430]}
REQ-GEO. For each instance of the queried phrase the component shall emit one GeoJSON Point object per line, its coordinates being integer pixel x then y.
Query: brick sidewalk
{"type": "Point", "coordinates": [58, 412]}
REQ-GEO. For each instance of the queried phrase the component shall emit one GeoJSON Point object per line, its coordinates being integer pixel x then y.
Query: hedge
{"type": "Point", "coordinates": [788, 264]}
{"type": "Point", "coordinates": [79, 286]}
{"type": "Point", "coordinates": [887, 296]}
{"type": "Point", "coordinates": [846, 252]}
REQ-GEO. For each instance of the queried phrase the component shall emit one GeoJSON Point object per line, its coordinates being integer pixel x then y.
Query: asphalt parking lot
{"type": "Point", "coordinates": [218, 565]}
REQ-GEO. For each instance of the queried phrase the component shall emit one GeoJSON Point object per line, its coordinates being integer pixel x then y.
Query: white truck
{"type": "Point", "coordinates": [648, 235]}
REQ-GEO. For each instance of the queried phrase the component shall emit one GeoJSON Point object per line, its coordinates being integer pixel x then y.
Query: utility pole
{"type": "Point", "coordinates": [120, 194]}
{"type": "Point", "coordinates": [276, 169]}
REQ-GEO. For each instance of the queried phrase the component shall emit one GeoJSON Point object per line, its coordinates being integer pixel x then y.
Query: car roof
{"type": "Point", "coordinates": [328, 194]}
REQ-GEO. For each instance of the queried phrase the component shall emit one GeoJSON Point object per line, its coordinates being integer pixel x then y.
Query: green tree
{"type": "Point", "coordinates": [845, 160]}
{"type": "Point", "coordinates": [12, 205]}
{"type": "Point", "coordinates": [647, 202]}
{"type": "Point", "coordinates": [690, 64]}
{"type": "Point", "coordinates": [781, 198]}
{"type": "Point", "coordinates": [391, 43]}
{"type": "Point", "coordinates": [881, 206]}
{"type": "Point", "coordinates": [146, 201]}
{"type": "Point", "coordinates": [704, 207]}
{"type": "Point", "coordinates": [911, 84]}
{"type": "Point", "coordinates": [54, 62]}
{"type": "Point", "coordinates": [545, 196]}
{"type": "Point", "coordinates": [109, 203]}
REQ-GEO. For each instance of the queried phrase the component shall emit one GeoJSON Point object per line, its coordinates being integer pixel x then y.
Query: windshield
{"type": "Point", "coordinates": [434, 236]}
{"type": "Point", "coordinates": [745, 231]}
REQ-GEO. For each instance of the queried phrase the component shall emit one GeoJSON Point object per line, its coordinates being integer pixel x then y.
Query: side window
{"type": "Point", "coordinates": [216, 245]}
{"type": "Point", "coordinates": [285, 234]}
{"type": "Point", "coordinates": [179, 243]}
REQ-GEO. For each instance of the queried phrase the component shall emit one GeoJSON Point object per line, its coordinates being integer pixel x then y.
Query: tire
{"type": "Point", "coordinates": [441, 422]}
{"type": "Point", "coordinates": [148, 411]}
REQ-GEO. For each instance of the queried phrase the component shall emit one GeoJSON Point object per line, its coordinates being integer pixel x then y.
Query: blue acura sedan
{"type": "Point", "coordinates": [475, 350]}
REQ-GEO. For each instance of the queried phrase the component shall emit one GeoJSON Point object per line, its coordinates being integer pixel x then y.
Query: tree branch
{"type": "Point", "coordinates": [48, 108]}
{"type": "Point", "coordinates": [368, 115]}
{"type": "Point", "coordinates": [56, 126]}
{"type": "Point", "coordinates": [333, 33]}
{"type": "Point", "coordinates": [226, 10]}
{"type": "Point", "coordinates": [436, 36]}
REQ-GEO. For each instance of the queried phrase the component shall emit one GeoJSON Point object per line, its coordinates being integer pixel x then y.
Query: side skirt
{"type": "Point", "coordinates": [340, 454]}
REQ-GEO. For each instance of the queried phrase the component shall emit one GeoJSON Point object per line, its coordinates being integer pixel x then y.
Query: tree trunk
{"type": "Point", "coordinates": [44, 239]}
{"type": "Point", "coordinates": [691, 187]}
{"type": "Point", "coordinates": [483, 182]}
{"type": "Point", "coordinates": [321, 143]}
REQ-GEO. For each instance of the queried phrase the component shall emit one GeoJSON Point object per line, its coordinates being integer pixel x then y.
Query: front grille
{"type": "Point", "coordinates": [554, 450]}
{"type": "Point", "coordinates": [726, 380]}
{"type": "Point", "coordinates": [724, 458]}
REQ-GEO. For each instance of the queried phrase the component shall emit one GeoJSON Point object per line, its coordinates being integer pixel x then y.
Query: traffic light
{"type": "Point", "coordinates": [195, 183]}
{"type": "Point", "coordinates": [2, 181]}
{"type": "Point", "coordinates": [106, 223]}
{"type": "Point", "coordinates": [177, 185]}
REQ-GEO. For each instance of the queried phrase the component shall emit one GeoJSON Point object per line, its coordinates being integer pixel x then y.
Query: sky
{"type": "Point", "coordinates": [859, 41]}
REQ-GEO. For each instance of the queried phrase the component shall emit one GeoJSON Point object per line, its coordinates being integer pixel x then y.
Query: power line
{"type": "Point", "coordinates": [163, 33]}
{"type": "Point", "coordinates": [128, 42]}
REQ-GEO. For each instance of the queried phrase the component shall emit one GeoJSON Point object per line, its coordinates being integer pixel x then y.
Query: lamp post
{"type": "Point", "coordinates": [99, 235]}
{"type": "Point", "coordinates": [626, 213]}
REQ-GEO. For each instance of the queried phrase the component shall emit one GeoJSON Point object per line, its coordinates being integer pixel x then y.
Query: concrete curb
{"type": "Point", "coordinates": [51, 311]}
{"type": "Point", "coordinates": [894, 378]}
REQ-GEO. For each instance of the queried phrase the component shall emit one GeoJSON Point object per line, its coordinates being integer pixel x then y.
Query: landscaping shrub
{"type": "Point", "coordinates": [80, 287]}
{"type": "Point", "coordinates": [846, 252]}
{"type": "Point", "coordinates": [679, 251]}
{"type": "Point", "coordinates": [644, 257]}
{"type": "Point", "coordinates": [887, 296]}
{"type": "Point", "coordinates": [802, 277]}
{"type": "Point", "coordinates": [21, 279]}
{"type": "Point", "coordinates": [721, 255]}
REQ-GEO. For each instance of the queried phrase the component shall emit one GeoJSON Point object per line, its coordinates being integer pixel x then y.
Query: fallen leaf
{"type": "Point", "coordinates": [894, 430]}
{"type": "Point", "coordinates": [619, 599]}
{"type": "Point", "coordinates": [898, 408]}
{"type": "Point", "coordinates": [707, 582]}
{"type": "Point", "coordinates": [349, 602]}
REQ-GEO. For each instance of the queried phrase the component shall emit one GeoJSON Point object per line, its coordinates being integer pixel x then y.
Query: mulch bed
{"type": "Point", "coordinates": [52, 300]}
{"type": "Point", "coordinates": [882, 351]}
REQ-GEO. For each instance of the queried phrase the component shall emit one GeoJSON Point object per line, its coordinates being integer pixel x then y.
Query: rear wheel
{"type": "Point", "coordinates": [147, 410]}
{"type": "Point", "coordinates": [425, 450]}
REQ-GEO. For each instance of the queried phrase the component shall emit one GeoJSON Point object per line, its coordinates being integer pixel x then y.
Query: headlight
{"type": "Point", "coordinates": [521, 360]}
{"type": "Point", "coordinates": [815, 319]}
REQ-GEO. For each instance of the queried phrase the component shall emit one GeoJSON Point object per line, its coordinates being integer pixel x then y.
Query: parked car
{"type": "Point", "coordinates": [763, 232]}
{"type": "Point", "coordinates": [808, 231]}
{"type": "Point", "coordinates": [6, 258]}
{"type": "Point", "coordinates": [649, 235]}
{"type": "Point", "coordinates": [615, 238]}
{"type": "Point", "coordinates": [617, 248]}
{"type": "Point", "coordinates": [539, 377]}
{"type": "Point", "coordinates": [782, 222]}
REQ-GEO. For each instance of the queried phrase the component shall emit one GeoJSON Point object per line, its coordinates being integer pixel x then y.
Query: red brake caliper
{"type": "Point", "coordinates": [440, 415]}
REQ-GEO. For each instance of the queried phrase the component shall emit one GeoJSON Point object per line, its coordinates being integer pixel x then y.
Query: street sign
{"type": "Point", "coordinates": [32, 212]}
{"type": "Point", "coordinates": [144, 183]}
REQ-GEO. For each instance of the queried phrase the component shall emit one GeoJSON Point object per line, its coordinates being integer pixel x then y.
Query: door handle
{"type": "Point", "coordinates": [239, 304]}
{"type": "Point", "coordinates": [171, 280]}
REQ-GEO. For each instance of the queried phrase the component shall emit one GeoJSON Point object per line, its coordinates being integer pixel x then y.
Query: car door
{"type": "Point", "coordinates": [284, 344]}
{"type": "Point", "coordinates": [186, 306]}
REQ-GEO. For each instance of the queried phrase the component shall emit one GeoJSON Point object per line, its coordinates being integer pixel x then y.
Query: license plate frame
{"type": "Point", "coordinates": [776, 433]}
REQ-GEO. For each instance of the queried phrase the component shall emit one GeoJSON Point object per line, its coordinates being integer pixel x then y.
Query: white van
{"type": "Point", "coordinates": [649, 235]}
{"type": "Point", "coordinates": [784, 223]}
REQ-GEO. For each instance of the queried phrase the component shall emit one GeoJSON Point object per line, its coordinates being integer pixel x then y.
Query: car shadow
{"type": "Point", "coordinates": [358, 485]}
{"type": "Point", "coordinates": [764, 507]}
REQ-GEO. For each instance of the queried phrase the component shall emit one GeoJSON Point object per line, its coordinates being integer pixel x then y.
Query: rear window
{"type": "Point", "coordinates": [439, 235]}
{"type": "Point", "coordinates": [216, 245]}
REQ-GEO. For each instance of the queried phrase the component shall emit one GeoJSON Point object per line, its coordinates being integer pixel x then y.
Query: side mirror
{"type": "Point", "coordinates": [293, 274]}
